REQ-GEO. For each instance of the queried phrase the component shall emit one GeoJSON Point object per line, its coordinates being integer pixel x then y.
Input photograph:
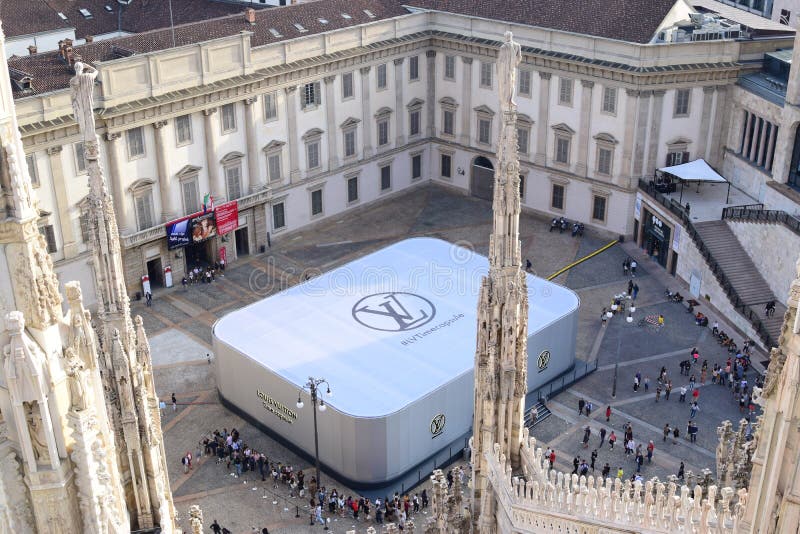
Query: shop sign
{"type": "Point", "coordinates": [437, 425]}
{"type": "Point", "coordinates": [227, 217]}
{"type": "Point", "coordinates": [178, 233]}
{"type": "Point", "coordinates": [544, 360]}
{"type": "Point", "coordinates": [280, 410]}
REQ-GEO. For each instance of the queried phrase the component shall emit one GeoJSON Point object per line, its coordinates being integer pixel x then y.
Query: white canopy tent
{"type": "Point", "coordinates": [694, 171]}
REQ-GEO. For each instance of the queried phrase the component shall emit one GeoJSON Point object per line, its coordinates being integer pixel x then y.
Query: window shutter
{"type": "Point", "coordinates": [317, 94]}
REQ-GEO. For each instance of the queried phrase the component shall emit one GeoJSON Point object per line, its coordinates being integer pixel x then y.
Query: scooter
{"type": "Point", "coordinates": [674, 297]}
{"type": "Point", "coordinates": [564, 225]}
{"type": "Point", "coordinates": [553, 224]}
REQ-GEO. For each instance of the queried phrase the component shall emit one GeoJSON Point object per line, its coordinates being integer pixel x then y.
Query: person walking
{"type": "Point", "coordinates": [675, 435]}
{"type": "Point", "coordinates": [581, 405]}
{"type": "Point", "coordinates": [680, 471]}
{"type": "Point", "coordinates": [552, 459]}
{"type": "Point", "coordinates": [650, 448]}
{"type": "Point", "coordinates": [639, 462]}
{"type": "Point", "coordinates": [148, 299]}
{"type": "Point", "coordinates": [634, 265]}
{"type": "Point", "coordinates": [630, 287]}
{"type": "Point", "coordinates": [602, 437]}
{"type": "Point", "coordinates": [594, 459]}
{"type": "Point", "coordinates": [612, 439]}
{"type": "Point", "coordinates": [586, 433]}
{"type": "Point", "coordinates": [589, 408]}
{"type": "Point", "coordinates": [608, 413]}
{"type": "Point", "coordinates": [620, 473]}
{"type": "Point", "coordinates": [174, 403]}
{"type": "Point", "coordinates": [694, 410]}
{"type": "Point", "coordinates": [646, 384]}
{"type": "Point", "coordinates": [658, 393]}
{"type": "Point", "coordinates": [635, 291]}
{"type": "Point", "coordinates": [691, 382]}
{"type": "Point", "coordinates": [666, 431]}
{"type": "Point", "coordinates": [682, 398]}
{"type": "Point", "coordinates": [668, 390]}
{"type": "Point", "coordinates": [575, 464]}
{"type": "Point", "coordinates": [215, 528]}
{"type": "Point", "coordinates": [606, 470]}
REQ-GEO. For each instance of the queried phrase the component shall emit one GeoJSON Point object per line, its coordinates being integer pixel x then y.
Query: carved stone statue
{"type": "Point", "coordinates": [508, 59]}
{"type": "Point", "coordinates": [77, 380]}
{"type": "Point", "coordinates": [38, 438]}
{"type": "Point", "coordinates": [82, 85]}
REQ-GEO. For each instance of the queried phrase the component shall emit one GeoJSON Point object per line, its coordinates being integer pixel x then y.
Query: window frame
{"type": "Point", "coordinates": [348, 92]}
{"type": "Point", "coordinates": [190, 180]}
{"type": "Point", "coordinates": [413, 69]}
{"type": "Point", "coordinates": [227, 115]}
{"type": "Point", "coordinates": [382, 130]}
{"type": "Point", "coordinates": [609, 96]}
{"type": "Point", "coordinates": [237, 166]}
{"type": "Point", "coordinates": [270, 102]}
{"type": "Point", "coordinates": [129, 143]}
{"type": "Point", "coordinates": [314, 142]}
{"type": "Point", "coordinates": [678, 110]}
{"type": "Point", "coordinates": [49, 233]}
{"type": "Point", "coordinates": [562, 196]}
{"type": "Point", "coordinates": [381, 77]}
{"type": "Point", "coordinates": [486, 73]}
{"type": "Point", "coordinates": [416, 165]}
{"type": "Point", "coordinates": [452, 67]}
{"type": "Point", "coordinates": [595, 198]}
{"type": "Point", "coordinates": [566, 91]}
{"type": "Point", "coordinates": [33, 169]}
{"type": "Point", "coordinates": [139, 194]}
{"type": "Point", "coordinates": [558, 144]}
{"type": "Point", "coordinates": [386, 166]}
{"type": "Point", "coordinates": [311, 96]}
{"type": "Point", "coordinates": [348, 180]}
{"type": "Point", "coordinates": [178, 140]}
{"type": "Point", "coordinates": [274, 215]}
{"type": "Point", "coordinates": [522, 75]}
{"type": "Point", "coordinates": [446, 164]}
{"type": "Point", "coordinates": [312, 194]}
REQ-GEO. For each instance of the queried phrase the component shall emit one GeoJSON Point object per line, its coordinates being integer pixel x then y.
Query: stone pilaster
{"type": "Point", "coordinates": [584, 129]}
{"type": "Point", "coordinates": [293, 139]}
{"type": "Point", "coordinates": [466, 102]}
{"type": "Point", "coordinates": [654, 137]}
{"type": "Point", "coordinates": [543, 119]}
{"type": "Point", "coordinates": [167, 206]}
{"type": "Point", "coordinates": [629, 118]}
{"type": "Point", "coordinates": [330, 121]}
{"type": "Point", "coordinates": [430, 93]}
{"type": "Point", "coordinates": [255, 178]}
{"type": "Point", "coordinates": [216, 183]}
{"type": "Point", "coordinates": [642, 124]}
{"type": "Point", "coordinates": [721, 123]}
{"type": "Point", "coordinates": [62, 202]}
{"type": "Point", "coordinates": [366, 114]}
{"type": "Point", "coordinates": [705, 122]}
{"type": "Point", "coordinates": [400, 114]}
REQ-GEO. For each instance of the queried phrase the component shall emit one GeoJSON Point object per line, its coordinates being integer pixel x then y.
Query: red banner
{"type": "Point", "coordinates": [227, 217]}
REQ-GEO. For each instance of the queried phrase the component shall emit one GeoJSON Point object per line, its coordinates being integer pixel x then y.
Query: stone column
{"type": "Point", "coordinates": [631, 98]}
{"type": "Point", "coordinates": [705, 122]}
{"type": "Point", "coordinates": [466, 99]}
{"type": "Point", "coordinates": [745, 149]}
{"type": "Point", "coordinates": [215, 184]}
{"type": "Point", "coordinates": [642, 122]}
{"type": "Point", "coordinates": [257, 181]}
{"type": "Point", "coordinates": [762, 143]}
{"type": "Point", "coordinates": [722, 118]}
{"type": "Point", "coordinates": [752, 154]}
{"type": "Point", "coordinates": [330, 120]}
{"type": "Point", "coordinates": [124, 223]}
{"type": "Point", "coordinates": [292, 139]}
{"type": "Point", "coordinates": [770, 146]}
{"type": "Point", "coordinates": [167, 209]}
{"type": "Point", "coordinates": [543, 120]}
{"type": "Point", "coordinates": [366, 116]}
{"type": "Point", "coordinates": [400, 111]}
{"type": "Point", "coordinates": [62, 204]}
{"type": "Point", "coordinates": [430, 93]}
{"type": "Point", "coordinates": [584, 129]}
{"type": "Point", "coordinates": [655, 130]}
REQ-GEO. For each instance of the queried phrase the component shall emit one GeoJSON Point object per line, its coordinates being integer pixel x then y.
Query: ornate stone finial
{"type": "Point", "coordinates": [508, 59]}
{"type": "Point", "coordinates": [73, 292]}
{"type": "Point", "coordinates": [196, 519]}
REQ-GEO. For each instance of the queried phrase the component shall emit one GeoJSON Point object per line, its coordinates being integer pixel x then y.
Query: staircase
{"type": "Point", "coordinates": [749, 286]}
{"type": "Point", "coordinates": [538, 413]}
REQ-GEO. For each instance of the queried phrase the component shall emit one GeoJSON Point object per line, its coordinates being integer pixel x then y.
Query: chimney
{"type": "Point", "coordinates": [32, 49]}
{"type": "Point", "coordinates": [250, 15]}
{"type": "Point", "coordinates": [89, 38]}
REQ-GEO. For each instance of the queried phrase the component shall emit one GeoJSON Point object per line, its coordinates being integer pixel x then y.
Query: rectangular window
{"type": "Point", "coordinates": [189, 193]}
{"type": "Point", "coordinates": [30, 160]}
{"type": "Point", "coordinates": [233, 179]}
{"type": "Point", "coordinates": [80, 158]}
{"type": "Point", "coordinates": [352, 189]}
{"type": "Point", "coordinates": [349, 143]}
{"type": "Point", "coordinates": [562, 150]}
{"type": "Point", "coordinates": [557, 197]}
{"type": "Point", "coordinates": [449, 67]}
{"type": "Point", "coordinates": [676, 158]}
{"type": "Point", "coordinates": [610, 100]}
{"type": "Point", "coordinates": [135, 139]}
{"type": "Point", "coordinates": [413, 68]}
{"type": "Point", "coordinates": [522, 140]}
{"type": "Point", "coordinates": [522, 187]}
{"type": "Point", "coordinates": [448, 120]}
{"type": "Point", "coordinates": [381, 76]}
{"type": "Point", "coordinates": [312, 154]}
{"type": "Point", "coordinates": [413, 123]}
{"type": "Point", "coordinates": [50, 237]}
{"type": "Point", "coordinates": [682, 97]}
{"type": "Point", "coordinates": [228, 118]}
{"type": "Point", "coordinates": [604, 156]}
{"type": "Point", "coordinates": [447, 166]}
{"type": "Point", "coordinates": [271, 106]}
{"type": "Point", "coordinates": [524, 85]}
{"type": "Point", "coordinates": [486, 75]}
{"type": "Point", "coordinates": [599, 208]}
{"type": "Point", "coordinates": [183, 129]}
{"type": "Point", "coordinates": [565, 91]}
{"type": "Point", "coordinates": [484, 131]}
{"type": "Point", "coordinates": [316, 202]}
{"type": "Point", "coordinates": [386, 177]}
{"type": "Point", "coordinates": [383, 132]}
{"type": "Point", "coordinates": [144, 210]}
{"type": "Point", "coordinates": [347, 85]}
{"type": "Point", "coordinates": [312, 96]}
{"type": "Point", "coordinates": [416, 166]}
{"type": "Point", "coordinates": [274, 167]}
{"type": "Point", "coordinates": [86, 228]}
{"type": "Point", "coordinates": [278, 216]}
{"type": "Point", "coordinates": [785, 17]}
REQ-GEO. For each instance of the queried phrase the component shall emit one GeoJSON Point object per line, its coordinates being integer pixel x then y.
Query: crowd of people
{"type": "Point", "coordinates": [203, 274]}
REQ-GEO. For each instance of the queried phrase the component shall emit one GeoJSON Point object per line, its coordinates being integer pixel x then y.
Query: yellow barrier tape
{"type": "Point", "coordinates": [583, 259]}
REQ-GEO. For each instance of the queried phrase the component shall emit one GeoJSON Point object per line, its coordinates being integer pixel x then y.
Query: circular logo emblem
{"type": "Point", "coordinates": [394, 311]}
{"type": "Point", "coordinates": [544, 359]}
{"type": "Point", "coordinates": [437, 424]}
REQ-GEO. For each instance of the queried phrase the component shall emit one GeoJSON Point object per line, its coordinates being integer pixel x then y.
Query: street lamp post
{"type": "Point", "coordinates": [312, 386]}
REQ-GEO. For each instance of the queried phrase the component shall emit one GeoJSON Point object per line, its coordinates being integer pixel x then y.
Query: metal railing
{"type": "Point", "coordinates": [752, 214]}
{"type": "Point", "coordinates": [739, 305]}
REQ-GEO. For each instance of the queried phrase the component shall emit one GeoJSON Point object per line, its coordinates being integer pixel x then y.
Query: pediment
{"type": "Point", "coordinates": [187, 171]}
{"type": "Point", "coordinates": [313, 132]}
{"type": "Point", "coordinates": [231, 157]}
{"type": "Point", "coordinates": [485, 109]}
{"type": "Point", "coordinates": [563, 128]}
{"type": "Point", "coordinates": [350, 122]}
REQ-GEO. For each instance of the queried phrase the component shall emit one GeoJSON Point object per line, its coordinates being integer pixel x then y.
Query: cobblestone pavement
{"type": "Point", "coordinates": [179, 324]}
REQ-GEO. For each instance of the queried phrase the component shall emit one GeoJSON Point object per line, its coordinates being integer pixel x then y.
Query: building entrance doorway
{"type": "Point", "coordinates": [242, 243]}
{"type": "Point", "coordinates": [482, 180]}
{"type": "Point", "coordinates": [199, 255]}
{"type": "Point", "coordinates": [155, 272]}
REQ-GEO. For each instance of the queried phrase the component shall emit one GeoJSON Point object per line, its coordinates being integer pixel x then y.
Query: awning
{"type": "Point", "coordinates": [694, 171]}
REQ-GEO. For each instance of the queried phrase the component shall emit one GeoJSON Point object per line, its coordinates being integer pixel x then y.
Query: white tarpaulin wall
{"type": "Point", "coordinates": [694, 171]}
